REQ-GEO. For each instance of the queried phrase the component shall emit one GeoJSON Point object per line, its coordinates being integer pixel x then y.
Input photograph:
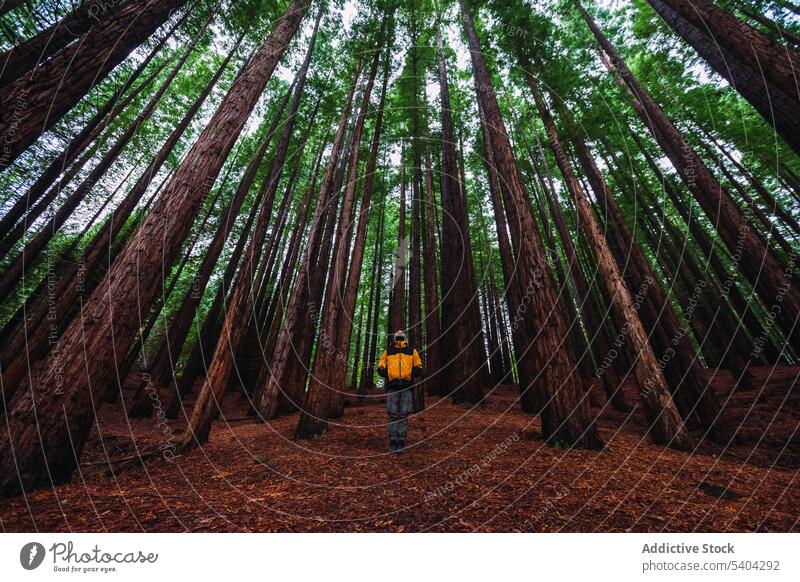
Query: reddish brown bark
{"type": "Point", "coordinates": [759, 68]}
{"type": "Point", "coordinates": [240, 306]}
{"type": "Point", "coordinates": [291, 345]}
{"type": "Point", "coordinates": [666, 426]}
{"type": "Point", "coordinates": [47, 429]}
{"type": "Point", "coordinates": [30, 343]}
{"type": "Point", "coordinates": [16, 270]}
{"type": "Point", "coordinates": [463, 358]}
{"type": "Point", "coordinates": [432, 377]}
{"type": "Point", "coordinates": [161, 367]}
{"type": "Point", "coordinates": [78, 144]}
{"type": "Point", "coordinates": [758, 263]}
{"type": "Point", "coordinates": [24, 57]}
{"type": "Point", "coordinates": [565, 412]}
{"type": "Point", "coordinates": [333, 348]}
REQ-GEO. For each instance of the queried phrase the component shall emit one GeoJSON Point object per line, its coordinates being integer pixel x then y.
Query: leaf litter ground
{"type": "Point", "coordinates": [482, 468]}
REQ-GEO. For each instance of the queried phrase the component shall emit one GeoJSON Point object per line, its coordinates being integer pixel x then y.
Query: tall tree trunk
{"type": "Point", "coordinates": [24, 57]}
{"type": "Point", "coordinates": [290, 346]}
{"type": "Point", "coordinates": [743, 306]}
{"type": "Point", "coordinates": [240, 307]}
{"type": "Point", "coordinates": [30, 343]}
{"type": "Point", "coordinates": [368, 372]}
{"type": "Point", "coordinates": [47, 429]}
{"type": "Point", "coordinates": [666, 426]}
{"type": "Point", "coordinates": [759, 68]}
{"type": "Point", "coordinates": [78, 144]}
{"type": "Point", "coordinates": [161, 368]}
{"type": "Point", "coordinates": [32, 105]}
{"type": "Point", "coordinates": [565, 412]}
{"type": "Point", "coordinates": [463, 359]}
{"type": "Point", "coordinates": [16, 270]}
{"type": "Point", "coordinates": [397, 307]}
{"type": "Point", "coordinates": [333, 348]}
{"type": "Point", "coordinates": [431, 369]}
{"type": "Point", "coordinates": [758, 263]}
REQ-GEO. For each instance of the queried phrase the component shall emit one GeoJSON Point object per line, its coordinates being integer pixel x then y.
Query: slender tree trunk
{"type": "Point", "coordinates": [240, 306]}
{"type": "Point", "coordinates": [352, 385]}
{"type": "Point", "coordinates": [16, 270]}
{"type": "Point", "coordinates": [161, 367]}
{"type": "Point", "coordinates": [565, 412]}
{"type": "Point", "coordinates": [368, 372]}
{"type": "Point", "coordinates": [333, 347]}
{"type": "Point", "coordinates": [743, 307]}
{"type": "Point", "coordinates": [290, 346]}
{"type": "Point", "coordinates": [432, 377]}
{"type": "Point", "coordinates": [77, 145]}
{"type": "Point", "coordinates": [397, 306]}
{"type": "Point", "coordinates": [511, 289]}
{"type": "Point", "coordinates": [31, 105]}
{"type": "Point", "coordinates": [691, 392]}
{"type": "Point", "coordinates": [462, 347]}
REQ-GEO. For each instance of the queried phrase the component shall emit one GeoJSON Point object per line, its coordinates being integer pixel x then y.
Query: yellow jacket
{"type": "Point", "coordinates": [399, 363]}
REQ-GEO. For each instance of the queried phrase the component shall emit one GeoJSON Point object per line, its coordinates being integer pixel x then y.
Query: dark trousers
{"type": "Point", "coordinates": [398, 405]}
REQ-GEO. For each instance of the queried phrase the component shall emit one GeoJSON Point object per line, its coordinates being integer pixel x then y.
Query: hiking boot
{"type": "Point", "coordinates": [401, 447]}
{"type": "Point", "coordinates": [393, 446]}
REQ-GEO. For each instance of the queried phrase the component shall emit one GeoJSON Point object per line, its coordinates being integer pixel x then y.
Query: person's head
{"type": "Point", "coordinates": [399, 335]}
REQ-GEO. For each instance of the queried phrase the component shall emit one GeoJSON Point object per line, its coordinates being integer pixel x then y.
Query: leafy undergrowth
{"type": "Point", "coordinates": [483, 468]}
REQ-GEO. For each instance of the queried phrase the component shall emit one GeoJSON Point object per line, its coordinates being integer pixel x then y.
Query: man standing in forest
{"type": "Point", "coordinates": [399, 365]}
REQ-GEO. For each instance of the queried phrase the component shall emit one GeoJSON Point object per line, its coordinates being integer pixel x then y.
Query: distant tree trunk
{"type": "Point", "coordinates": [28, 345]}
{"type": "Point", "coordinates": [208, 333]}
{"type": "Point", "coordinates": [511, 290]}
{"type": "Point", "coordinates": [759, 68]}
{"type": "Point", "coordinates": [368, 372]}
{"type": "Point", "coordinates": [48, 428]}
{"type": "Point", "coordinates": [580, 345]}
{"type": "Point", "coordinates": [758, 263]}
{"type": "Point", "coordinates": [565, 412]}
{"type": "Point", "coordinates": [291, 344]}
{"type": "Point", "coordinates": [463, 358]}
{"type": "Point", "coordinates": [283, 286]}
{"type": "Point", "coordinates": [333, 348]}
{"type": "Point", "coordinates": [415, 267]}
{"type": "Point", "coordinates": [16, 270]}
{"type": "Point", "coordinates": [352, 385]}
{"type": "Point", "coordinates": [431, 369]}
{"type": "Point", "coordinates": [768, 199]}
{"type": "Point", "coordinates": [32, 105]}
{"type": "Point", "coordinates": [666, 426]}
{"type": "Point", "coordinates": [743, 307]}
{"type": "Point", "coordinates": [94, 141]}
{"type": "Point", "coordinates": [397, 306]}
{"type": "Point", "coordinates": [693, 396]}
{"type": "Point", "coordinates": [24, 57]}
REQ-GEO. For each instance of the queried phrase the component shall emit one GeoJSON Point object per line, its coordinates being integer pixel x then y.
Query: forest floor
{"type": "Point", "coordinates": [483, 468]}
